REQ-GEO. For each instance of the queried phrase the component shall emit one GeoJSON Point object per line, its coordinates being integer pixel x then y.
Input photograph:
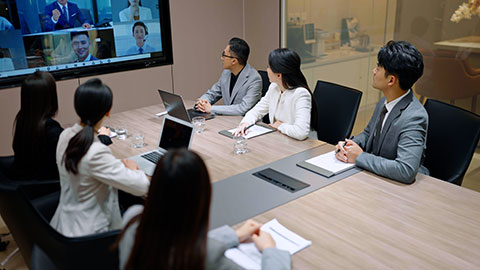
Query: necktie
{"type": "Point", "coordinates": [140, 50]}
{"type": "Point", "coordinates": [378, 132]}
{"type": "Point", "coordinates": [64, 11]}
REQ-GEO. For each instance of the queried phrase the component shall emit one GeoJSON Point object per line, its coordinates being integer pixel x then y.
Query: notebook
{"type": "Point", "coordinates": [326, 164]}
{"type": "Point", "coordinates": [175, 107]}
{"type": "Point", "coordinates": [254, 131]}
{"type": "Point", "coordinates": [175, 133]}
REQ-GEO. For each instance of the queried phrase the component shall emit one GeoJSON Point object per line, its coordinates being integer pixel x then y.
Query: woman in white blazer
{"type": "Point", "coordinates": [288, 101]}
{"type": "Point", "coordinates": [89, 173]}
{"type": "Point", "coordinates": [135, 12]}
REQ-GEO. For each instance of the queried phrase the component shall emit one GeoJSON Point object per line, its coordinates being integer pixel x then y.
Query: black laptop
{"type": "Point", "coordinates": [175, 107]}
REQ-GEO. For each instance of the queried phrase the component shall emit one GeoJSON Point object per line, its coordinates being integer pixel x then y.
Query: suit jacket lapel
{"type": "Point", "coordinates": [242, 79]}
{"type": "Point", "coordinates": [396, 112]}
{"type": "Point", "coordinates": [226, 90]}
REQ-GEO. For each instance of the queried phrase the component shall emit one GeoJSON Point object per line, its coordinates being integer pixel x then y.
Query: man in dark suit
{"type": "Point", "coordinates": [81, 46]}
{"type": "Point", "coordinates": [61, 15]}
{"type": "Point", "coordinates": [394, 141]}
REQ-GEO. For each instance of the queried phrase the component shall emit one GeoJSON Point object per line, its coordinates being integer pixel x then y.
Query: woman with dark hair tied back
{"type": "Point", "coordinates": [35, 131]}
{"type": "Point", "coordinates": [89, 173]}
{"type": "Point", "coordinates": [170, 232]}
{"type": "Point", "coordinates": [288, 101]}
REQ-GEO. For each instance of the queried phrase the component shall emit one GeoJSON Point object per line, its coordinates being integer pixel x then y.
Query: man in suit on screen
{"type": "Point", "coordinates": [62, 15]}
{"type": "Point", "coordinates": [394, 141]}
{"type": "Point", "coordinates": [81, 46]}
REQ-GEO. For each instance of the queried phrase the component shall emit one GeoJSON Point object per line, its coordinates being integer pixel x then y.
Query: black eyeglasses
{"type": "Point", "coordinates": [229, 56]}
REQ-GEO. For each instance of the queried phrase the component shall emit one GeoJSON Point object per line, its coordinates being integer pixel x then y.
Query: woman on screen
{"type": "Point", "coordinates": [288, 101]}
{"type": "Point", "coordinates": [170, 231]}
{"type": "Point", "coordinates": [36, 132]}
{"type": "Point", "coordinates": [135, 12]}
{"type": "Point", "coordinates": [89, 173]}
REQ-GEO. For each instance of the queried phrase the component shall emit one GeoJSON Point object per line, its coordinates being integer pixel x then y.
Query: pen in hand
{"type": "Point", "coordinates": [344, 144]}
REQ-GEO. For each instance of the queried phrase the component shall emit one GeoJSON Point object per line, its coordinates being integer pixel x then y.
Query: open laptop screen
{"type": "Point", "coordinates": [175, 135]}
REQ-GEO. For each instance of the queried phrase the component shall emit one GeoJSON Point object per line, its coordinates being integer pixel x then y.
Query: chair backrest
{"type": "Point", "coordinates": [29, 227]}
{"type": "Point", "coordinates": [265, 85]}
{"type": "Point", "coordinates": [452, 137]}
{"type": "Point", "coordinates": [337, 108]}
{"type": "Point", "coordinates": [88, 16]}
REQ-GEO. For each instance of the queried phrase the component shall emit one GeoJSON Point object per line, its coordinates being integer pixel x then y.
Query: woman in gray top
{"type": "Point", "coordinates": [170, 231]}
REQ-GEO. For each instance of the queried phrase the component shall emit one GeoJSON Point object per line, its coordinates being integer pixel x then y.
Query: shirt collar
{"type": "Point", "coordinates": [66, 5]}
{"type": "Point", "coordinates": [390, 105]}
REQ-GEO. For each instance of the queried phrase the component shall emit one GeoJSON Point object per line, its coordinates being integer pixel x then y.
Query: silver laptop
{"type": "Point", "coordinates": [175, 107]}
{"type": "Point", "coordinates": [175, 133]}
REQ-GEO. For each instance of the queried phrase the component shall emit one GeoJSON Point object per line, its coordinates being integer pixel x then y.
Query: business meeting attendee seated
{"type": "Point", "coordinates": [135, 12]}
{"type": "Point", "coordinates": [62, 15]}
{"type": "Point", "coordinates": [36, 133]}
{"type": "Point", "coordinates": [170, 231]}
{"type": "Point", "coordinates": [288, 101]}
{"type": "Point", "coordinates": [89, 173]}
{"type": "Point", "coordinates": [240, 85]}
{"type": "Point", "coordinates": [394, 141]}
{"type": "Point", "coordinates": [139, 31]}
{"type": "Point", "coordinates": [81, 46]}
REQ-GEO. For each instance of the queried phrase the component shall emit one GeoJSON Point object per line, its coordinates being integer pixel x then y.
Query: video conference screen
{"type": "Point", "coordinates": [76, 38]}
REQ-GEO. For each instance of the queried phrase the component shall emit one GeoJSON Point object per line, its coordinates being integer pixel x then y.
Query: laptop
{"type": "Point", "coordinates": [175, 133]}
{"type": "Point", "coordinates": [175, 107]}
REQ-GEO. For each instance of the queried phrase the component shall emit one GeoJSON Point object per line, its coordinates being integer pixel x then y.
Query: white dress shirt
{"type": "Point", "coordinates": [292, 107]}
{"type": "Point", "coordinates": [389, 106]}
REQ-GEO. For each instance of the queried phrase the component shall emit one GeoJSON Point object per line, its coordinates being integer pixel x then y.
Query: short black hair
{"type": "Point", "coordinates": [402, 59]}
{"type": "Point", "coordinates": [142, 24]}
{"type": "Point", "coordinates": [78, 33]}
{"type": "Point", "coordinates": [240, 49]}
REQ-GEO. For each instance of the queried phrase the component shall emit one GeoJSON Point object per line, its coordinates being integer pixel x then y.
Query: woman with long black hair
{"type": "Point", "coordinates": [36, 132]}
{"type": "Point", "coordinates": [170, 232]}
{"type": "Point", "coordinates": [89, 173]}
{"type": "Point", "coordinates": [288, 101]}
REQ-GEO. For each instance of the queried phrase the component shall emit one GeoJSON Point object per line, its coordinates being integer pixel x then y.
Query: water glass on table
{"type": "Point", "coordinates": [138, 140]}
{"type": "Point", "coordinates": [199, 124]}
{"type": "Point", "coordinates": [121, 133]}
{"type": "Point", "coordinates": [240, 145]}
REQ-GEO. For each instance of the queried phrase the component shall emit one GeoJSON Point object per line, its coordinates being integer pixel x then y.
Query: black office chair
{"type": "Point", "coordinates": [41, 245]}
{"type": "Point", "coordinates": [452, 137]}
{"type": "Point", "coordinates": [337, 108]}
{"type": "Point", "coordinates": [86, 13]}
{"type": "Point", "coordinates": [265, 85]}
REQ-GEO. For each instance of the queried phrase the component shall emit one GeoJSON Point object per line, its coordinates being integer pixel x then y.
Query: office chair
{"type": "Point", "coordinates": [265, 85]}
{"type": "Point", "coordinates": [337, 108]}
{"type": "Point", "coordinates": [452, 137]}
{"type": "Point", "coordinates": [41, 245]}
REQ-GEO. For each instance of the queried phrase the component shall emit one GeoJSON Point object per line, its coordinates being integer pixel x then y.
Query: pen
{"type": "Point", "coordinates": [248, 127]}
{"type": "Point", "coordinates": [344, 144]}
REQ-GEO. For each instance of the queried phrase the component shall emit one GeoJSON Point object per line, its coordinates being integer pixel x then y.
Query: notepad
{"type": "Point", "coordinates": [327, 164]}
{"type": "Point", "coordinates": [249, 257]}
{"type": "Point", "coordinates": [254, 131]}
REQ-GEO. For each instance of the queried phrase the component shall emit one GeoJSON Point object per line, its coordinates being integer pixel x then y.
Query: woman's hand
{"type": "Point", "coordinates": [104, 131]}
{"type": "Point", "coordinates": [131, 164]}
{"type": "Point", "coordinates": [249, 228]}
{"type": "Point", "coordinates": [240, 130]}
{"type": "Point", "coordinates": [276, 124]}
{"type": "Point", "coordinates": [263, 240]}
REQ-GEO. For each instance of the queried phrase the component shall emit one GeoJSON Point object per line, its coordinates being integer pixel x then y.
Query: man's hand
{"type": "Point", "coordinates": [203, 105]}
{"type": "Point", "coordinates": [86, 25]}
{"type": "Point", "coordinates": [352, 151]}
{"type": "Point", "coordinates": [55, 14]}
{"type": "Point", "coordinates": [249, 228]}
{"type": "Point", "coordinates": [276, 124]}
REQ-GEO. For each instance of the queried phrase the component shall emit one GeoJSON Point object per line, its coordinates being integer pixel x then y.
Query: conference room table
{"type": "Point", "coordinates": [361, 222]}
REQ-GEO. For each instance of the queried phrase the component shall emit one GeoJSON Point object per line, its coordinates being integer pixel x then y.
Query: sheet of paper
{"type": "Point", "coordinates": [249, 257]}
{"type": "Point", "coordinates": [329, 162]}
{"type": "Point", "coordinates": [254, 131]}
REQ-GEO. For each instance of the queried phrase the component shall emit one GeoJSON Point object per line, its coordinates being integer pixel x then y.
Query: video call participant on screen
{"type": "Point", "coordinates": [62, 15]}
{"type": "Point", "coordinates": [36, 132]}
{"type": "Point", "coordinates": [81, 46]}
{"type": "Point", "coordinates": [5, 24]}
{"type": "Point", "coordinates": [90, 175]}
{"type": "Point", "coordinates": [139, 32]}
{"type": "Point", "coordinates": [135, 12]}
{"type": "Point", "coordinates": [394, 141]}
{"type": "Point", "coordinates": [240, 85]}
{"type": "Point", "coordinates": [288, 101]}
{"type": "Point", "coordinates": [170, 231]}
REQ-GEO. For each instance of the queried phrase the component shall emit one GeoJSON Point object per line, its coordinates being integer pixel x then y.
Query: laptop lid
{"type": "Point", "coordinates": [175, 133]}
{"type": "Point", "coordinates": [174, 105]}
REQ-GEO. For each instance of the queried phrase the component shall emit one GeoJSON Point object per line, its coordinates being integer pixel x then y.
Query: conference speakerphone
{"type": "Point", "coordinates": [281, 180]}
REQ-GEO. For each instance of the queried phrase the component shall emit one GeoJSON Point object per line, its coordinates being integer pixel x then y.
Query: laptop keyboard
{"type": "Point", "coordinates": [152, 156]}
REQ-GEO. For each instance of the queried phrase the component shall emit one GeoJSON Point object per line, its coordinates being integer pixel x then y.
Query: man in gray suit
{"type": "Point", "coordinates": [393, 143]}
{"type": "Point", "coordinates": [240, 85]}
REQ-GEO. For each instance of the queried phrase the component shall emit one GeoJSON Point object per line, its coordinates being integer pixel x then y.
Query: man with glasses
{"type": "Point", "coordinates": [240, 85]}
{"type": "Point", "coordinates": [81, 46]}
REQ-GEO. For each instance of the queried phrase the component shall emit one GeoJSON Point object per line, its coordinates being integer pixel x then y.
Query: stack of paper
{"type": "Point", "coordinates": [254, 131]}
{"type": "Point", "coordinates": [248, 256]}
{"type": "Point", "coordinates": [326, 164]}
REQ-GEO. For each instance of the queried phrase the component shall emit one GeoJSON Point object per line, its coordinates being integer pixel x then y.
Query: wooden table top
{"type": "Point", "coordinates": [471, 43]}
